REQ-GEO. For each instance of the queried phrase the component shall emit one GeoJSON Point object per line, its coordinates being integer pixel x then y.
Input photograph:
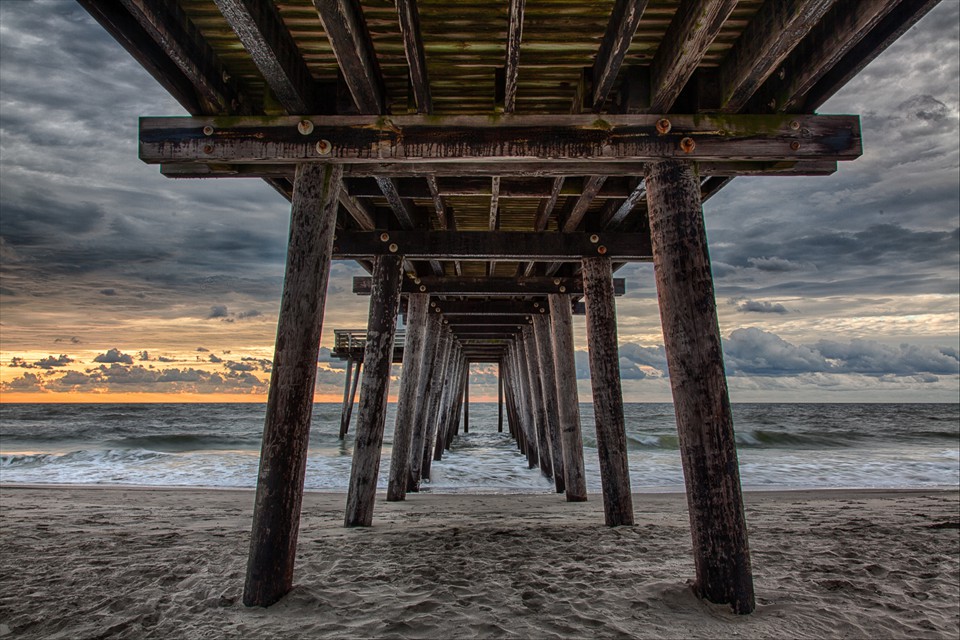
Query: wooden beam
{"type": "Point", "coordinates": [358, 210]}
{"type": "Point", "coordinates": [693, 29]}
{"type": "Point", "coordinates": [434, 398]}
{"type": "Point", "coordinates": [401, 208]}
{"type": "Point", "coordinates": [538, 405]}
{"type": "Point", "coordinates": [772, 34]}
{"type": "Point", "coordinates": [512, 65]}
{"type": "Point", "coordinates": [543, 340]}
{"type": "Point", "coordinates": [492, 245]}
{"type": "Point", "coordinates": [695, 359]}
{"type": "Point", "coordinates": [486, 286]}
{"type": "Point", "coordinates": [549, 140]}
{"type": "Point", "coordinates": [494, 203]}
{"type": "Point", "coordinates": [624, 20]}
{"type": "Point", "coordinates": [590, 190]}
{"type": "Point", "coordinates": [475, 307]}
{"type": "Point", "coordinates": [568, 402]}
{"type": "Point", "coordinates": [607, 394]}
{"type": "Point", "coordinates": [374, 390]}
{"type": "Point", "coordinates": [623, 211]}
{"type": "Point", "coordinates": [347, 32]}
{"type": "Point", "coordinates": [283, 457]}
{"type": "Point", "coordinates": [416, 60]}
{"type": "Point", "coordinates": [261, 29]}
{"type": "Point", "coordinates": [439, 208]}
{"type": "Point", "coordinates": [431, 343]}
{"type": "Point", "coordinates": [547, 205]}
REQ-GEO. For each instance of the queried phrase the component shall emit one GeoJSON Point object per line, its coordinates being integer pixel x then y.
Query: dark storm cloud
{"type": "Point", "coordinates": [114, 356]}
{"type": "Point", "coordinates": [218, 311]}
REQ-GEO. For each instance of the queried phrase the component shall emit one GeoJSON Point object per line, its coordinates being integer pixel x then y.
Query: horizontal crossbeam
{"type": "Point", "coordinates": [549, 139]}
{"type": "Point", "coordinates": [467, 285]}
{"type": "Point", "coordinates": [492, 245]}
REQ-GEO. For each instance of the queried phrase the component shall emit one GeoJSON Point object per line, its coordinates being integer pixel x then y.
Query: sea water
{"type": "Point", "coordinates": [780, 446]}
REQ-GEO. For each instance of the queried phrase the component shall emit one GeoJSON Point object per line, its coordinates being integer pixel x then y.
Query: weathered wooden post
{"type": "Point", "coordinates": [536, 400]}
{"type": "Point", "coordinates": [372, 413]}
{"type": "Point", "coordinates": [437, 383]}
{"type": "Point", "coordinates": [430, 355]}
{"type": "Point", "coordinates": [418, 305]}
{"type": "Point", "coordinates": [286, 431]}
{"type": "Point", "coordinates": [466, 402]}
{"type": "Point", "coordinates": [448, 403]}
{"type": "Point", "coordinates": [346, 397]}
{"type": "Point", "coordinates": [499, 398]}
{"type": "Point", "coordinates": [568, 401]}
{"type": "Point", "coordinates": [695, 359]}
{"type": "Point", "coordinates": [607, 395]}
{"type": "Point", "coordinates": [548, 389]}
{"type": "Point", "coordinates": [345, 418]}
{"type": "Point", "coordinates": [523, 394]}
{"type": "Point", "coordinates": [461, 383]}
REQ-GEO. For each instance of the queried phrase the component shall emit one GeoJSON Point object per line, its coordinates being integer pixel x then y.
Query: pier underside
{"type": "Point", "coordinates": [492, 165]}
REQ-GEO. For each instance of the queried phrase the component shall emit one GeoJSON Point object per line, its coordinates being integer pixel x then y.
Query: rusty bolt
{"type": "Point", "coordinates": [433, 304]}
{"type": "Point", "coordinates": [393, 247]}
{"type": "Point", "coordinates": [324, 147]}
{"type": "Point", "coordinates": [305, 127]}
{"type": "Point", "coordinates": [384, 237]}
{"type": "Point", "coordinates": [795, 145]}
{"type": "Point", "coordinates": [208, 149]}
{"type": "Point", "coordinates": [423, 288]}
{"type": "Point", "coordinates": [601, 249]}
{"type": "Point", "coordinates": [687, 145]}
{"type": "Point", "coordinates": [563, 289]}
{"type": "Point", "coordinates": [542, 310]}
{"type": "Point", "coordinates": [556, 281]}
{"type": "Point", "coordinates": [664, 126]}
{"type": "Point", "coordinates": [208, 130]}
{"type": "Point", "coordinates": [594, 238]}
{"type": "Point", "coordinates": [536, 304]}
{"type": "Point", "coordinates": [794, 125]}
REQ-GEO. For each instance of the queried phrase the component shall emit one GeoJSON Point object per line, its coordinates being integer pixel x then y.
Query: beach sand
{"type": "Point", "coordinates": [119, 562]}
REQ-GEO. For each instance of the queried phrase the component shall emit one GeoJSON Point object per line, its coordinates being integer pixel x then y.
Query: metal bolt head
{"type": "Point", "coordinates": [601, 250]}
{"type": "Point", "coordinates": [594, 238]}
{"type": "Point", "coordinates": [423, 288]}
{"type": "Point", "coordinates": [393, 247]}
{"type": "Point", "coordinates": [556, 281]}
{"type": "Point", "coordinates": [794, 125]}
{"type": "Point", "coordinates": [542, 310]}
{"type": "Point", "coordinates": [664, 126]}
{"type": "Point", "coordinates": [416, 280]}
{"type": "Point", "coordinates": [305, 127]}
{"type": "Point", "coordinates": [208, 130]}
{"type": "Point", "coordinates": [563, 289]}
{"type": "Point", "coordinates": [433, 304]}
{"type": "Point", "coordinates": [384, 237]}
{"type": "Point", "coordinates": [324, 147]}
{"type": "Point", "coordinates": [795, 145]}
{"type": "Point", "coordinates": [208, 149]}
{"type": "Point", "coordinates": [687, 145]}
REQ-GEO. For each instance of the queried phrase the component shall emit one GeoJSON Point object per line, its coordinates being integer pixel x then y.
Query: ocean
{"type": "Point", "coordinates": [781, 446]}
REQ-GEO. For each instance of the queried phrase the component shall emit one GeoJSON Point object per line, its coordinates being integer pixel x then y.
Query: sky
{"type": "Point", "coordinates": [117, 284]}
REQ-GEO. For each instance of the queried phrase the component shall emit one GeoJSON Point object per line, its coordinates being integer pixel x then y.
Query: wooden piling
{"type": "Point", "coordinates": [461, 383]}
{"type": "Point", "coordinates": [568, 401]}
{"type": "Point", "coordinates": [448, 404]}
{"type": "Point", "coordinates": [466, 402]}
{"type": "Point", "coordinates": [430, 354]}
{"type": "Point", "coordinates": [607, 394]}
{"type": "Point", "coordinates": [548, 389]}
{"type": "Point", "coordinates": [499, 399]}
{"type": "Point", "coordinates": [345, 418]}
{"type": "Point", "coordinates": [346, 397]}
{"type": "Point", "coordinates": [437, 383]}
{"type": "Point", "coordinates": [695, 360]}
{"type": "Point", "coordinates": [372, 412]}
{"type": "Point", "coordinates": [286, 431]}
{"type": "Point", "coordinates": [536, 402]}
{"type": "Point", "coordinates": [418, 306]}
{"type": "Point", "coordinates": [523, 397]}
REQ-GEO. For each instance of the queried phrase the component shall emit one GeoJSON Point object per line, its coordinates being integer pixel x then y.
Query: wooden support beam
{"type": "Point", "coordinates": [439, 208]}
{"type": "Point", "coordinates": [538, 408]}
{"type": "Point", "coordinates": [762, 47]}
{"type": "Point", "coordinates": [434, 397]}
{"type": "Point", "coordinates": [695, 360]}
{"type": "Point", "coordinates": [492, 245]}
{"type": "Point", "coordinates": [623, 24]}
{"type": "Point", "coordinates": [466, 402]}
{"type": "Point", "coordinates": [361, 213]}
{"type": "Point", "coordinates": [347, 32]}
{"type": "Point", "coordinates": [448, 402]}
{"type": "Point", "coordinates": [494, 203]}
{"type": "Point", "coordinates": [693, 29]}
{"type": "Point", "coordinates": [623, 211]}
{"type": "Point", "coordinates": [607, 394]}
{"type": "Point", "coordinates": [261, 29]}
{"type": "Point", "coordinates": [550, 140]}
{"type": "Point", "coordinates": [526, 403]}
{"type": "Point", "coordinates": [590, 190]}
{"type": "Point", "coordinates": [548, 388]}
{"type": "Point", "coordinates": [568, 401]}
{"type": "Point", "coordinates": [431, 354]}
{"type": "Point", "coordinates": [283, 457]}
{"type": "Point", "coordinates": [345, 419]}
{"type": "Point", "coordinates": [413, 47]}
{"type": "Point", "coordinates": [372, 412]}
{"type": "Point", "coordinates": [500, 398]}
{"type": "Point", "coordinates": [401, 208]}
{"type": "Point", "coordinates": [479, 285]}
{"type": "Point", "coordinates": [347, 398]}
{"type": "Point", "coordinates": [512, 64]}
{"type": "Point", "coordinates": [407, 399]}
{"type": "Point", "coordinates": [490, 309]}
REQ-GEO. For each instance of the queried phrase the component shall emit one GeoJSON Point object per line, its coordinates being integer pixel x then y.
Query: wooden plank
{"type": "Point", "coordinates": [361, 212]}
{"type": "Point", "coordinates": [183, 44]}
{"type": "Point", "coordinates": [695, 359]}
{"type": "Point", "coordinates": [375, 388]}
{"type": "Point", "coordinates": [693, 29]}
{"type": "Point", "coordinates": [439, 208]}
{"type": "Point", "coordinates": [346, 30]}
{"type": "Point", "coordinates": [549, 140]}
{"type": "Point", "coordinates": [590, 190]}
{"type": "Point", "coordinates": [547, 205]}
{"type": "Point", "coordinates": [479, 307]}
{"type": "Point", "coordinates": [607, 394]}
{"type": "Point", "coordinates": [512, 64]}
{"type": "Point", "coordinates": [772, 34]}
{"type": "Point", "coordinates": [413, 48]}
{"type": "Point", "coordinates": [401, 208]}
{"type": "Point", "coordinates": [543, 339]}
{"type": "Point", "coordinates": [260, 27]}
{"type": "Point", "coordinates": [494, 203]}
{"type": "Point", "coordinates": [622, 212]}
{"type": "Point", "coordinates": [624, 20]}
{"type": "Point", "coordinates": [486, 286]}
{"type": "Point", "coordinates": [488, 245]}
{"type": "Point", "coordinates": [283, 457]}
{"type": "Point", "coordinates": [407, 398]}
{"type": "Point", "coordinates": [568, 401]}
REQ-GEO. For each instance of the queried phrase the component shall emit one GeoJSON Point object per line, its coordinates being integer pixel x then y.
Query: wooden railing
{"type": "Point", "coordinates": [351, 340]}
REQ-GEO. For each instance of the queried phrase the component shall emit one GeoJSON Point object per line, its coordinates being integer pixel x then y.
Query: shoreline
{"type": "Point", "coordinates": [110, 561]}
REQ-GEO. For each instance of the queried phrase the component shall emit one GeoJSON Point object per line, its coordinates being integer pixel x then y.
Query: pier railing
{"type": "Point", "coordinates": [350, 343]}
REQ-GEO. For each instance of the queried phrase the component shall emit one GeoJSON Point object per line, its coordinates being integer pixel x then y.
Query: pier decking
{"type": "Point", "coordinates": [491, 165]}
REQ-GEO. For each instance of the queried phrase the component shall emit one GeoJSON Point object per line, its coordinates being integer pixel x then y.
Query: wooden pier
{"type": "Point", "coordinates": [491, 165]}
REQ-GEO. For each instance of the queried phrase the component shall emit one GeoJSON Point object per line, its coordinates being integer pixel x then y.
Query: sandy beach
{"type": "Point", "coordinates": [135, 562]}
